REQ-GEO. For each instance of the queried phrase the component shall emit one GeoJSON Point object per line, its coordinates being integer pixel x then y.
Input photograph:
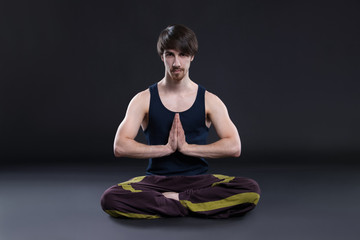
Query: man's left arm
{"type": "Point", "coordinates": [228, 145]}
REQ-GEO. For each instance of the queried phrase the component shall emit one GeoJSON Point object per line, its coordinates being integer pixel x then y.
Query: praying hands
{"type": "Point", "coordinates": [177, 140]}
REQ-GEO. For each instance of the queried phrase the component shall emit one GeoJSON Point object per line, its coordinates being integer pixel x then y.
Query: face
{"type": "Point", "coordinates": [176, 63]}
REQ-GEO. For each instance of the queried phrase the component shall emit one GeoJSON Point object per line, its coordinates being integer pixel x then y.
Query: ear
{"type": "Point", "coordinates": [192, 58]}
{"type": "Point", "coordinates": [162, 57]}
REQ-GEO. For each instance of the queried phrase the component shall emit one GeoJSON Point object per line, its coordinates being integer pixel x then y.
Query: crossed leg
{"type": "Point", "coordinates": [211, 196]}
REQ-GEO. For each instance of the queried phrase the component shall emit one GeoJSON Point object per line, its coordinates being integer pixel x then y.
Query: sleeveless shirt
{"type": "Point", "coordinates": [157, 133]}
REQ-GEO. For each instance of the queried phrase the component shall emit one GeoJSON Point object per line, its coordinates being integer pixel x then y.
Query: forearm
{"type": "Point", "coordinates": [226, 147]}
{"type": "Point", "coordinates": [133, 149]}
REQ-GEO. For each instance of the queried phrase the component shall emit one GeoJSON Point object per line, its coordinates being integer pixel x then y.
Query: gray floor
{"type": "Point", "coordinates": [299, 201]}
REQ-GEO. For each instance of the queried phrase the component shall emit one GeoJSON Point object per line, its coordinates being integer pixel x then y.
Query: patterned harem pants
{"type": "Point", "coordinates": [209, 196]}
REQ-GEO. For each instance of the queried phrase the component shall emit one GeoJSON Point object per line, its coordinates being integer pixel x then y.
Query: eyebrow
{"type": "Point", "coordinates": [171, 51]}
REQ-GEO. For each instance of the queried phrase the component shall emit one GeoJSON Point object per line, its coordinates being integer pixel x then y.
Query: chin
{"type": "Point", "coordinates": [177, 78]}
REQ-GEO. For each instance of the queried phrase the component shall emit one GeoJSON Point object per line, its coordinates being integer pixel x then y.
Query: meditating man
{"type": "Point", "coordinates": [175, 115]}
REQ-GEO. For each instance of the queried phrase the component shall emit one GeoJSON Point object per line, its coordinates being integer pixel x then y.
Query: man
{"type": "Point", "coordinates": [176, 114]}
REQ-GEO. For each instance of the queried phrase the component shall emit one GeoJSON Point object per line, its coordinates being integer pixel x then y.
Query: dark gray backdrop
{"type": "Point", "coordinates": [288, 72]}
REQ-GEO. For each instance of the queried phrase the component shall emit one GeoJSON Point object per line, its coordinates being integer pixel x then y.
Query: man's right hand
{"type": "Point", "coordinates": [173, 138]}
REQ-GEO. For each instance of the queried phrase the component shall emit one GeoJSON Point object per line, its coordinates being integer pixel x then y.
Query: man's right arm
{"type": "Point", "coordinates": [124, 144]}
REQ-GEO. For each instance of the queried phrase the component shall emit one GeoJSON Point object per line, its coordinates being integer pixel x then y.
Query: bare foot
{"type": "Point", "coordinates": [171, 195]}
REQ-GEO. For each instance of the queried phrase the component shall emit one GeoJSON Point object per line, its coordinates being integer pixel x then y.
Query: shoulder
{"type": "Point", "coordinates": [143, 95]}
{"type": "Point", "coordinates": [214, 106]}
{"type": "Point", "coordinates": [140, 100]}
{"type": "Point", "coordinates": [211, 100]}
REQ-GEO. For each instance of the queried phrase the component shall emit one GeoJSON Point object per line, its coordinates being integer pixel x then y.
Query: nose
{"type": "Point", "coordinates": [176, 62]}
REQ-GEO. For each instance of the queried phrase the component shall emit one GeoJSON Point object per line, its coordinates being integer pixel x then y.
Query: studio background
{"type": "Point", "coordinates": [287, 71]}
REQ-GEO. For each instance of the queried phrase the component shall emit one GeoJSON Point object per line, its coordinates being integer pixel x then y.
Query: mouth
{"type": "Point", "coordinates": [177, 70]}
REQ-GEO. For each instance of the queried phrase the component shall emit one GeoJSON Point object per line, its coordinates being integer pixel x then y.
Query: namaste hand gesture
{"type": "Point", "coordinates": [177, 139]}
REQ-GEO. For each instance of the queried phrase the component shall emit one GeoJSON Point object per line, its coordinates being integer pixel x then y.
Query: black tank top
{"type": "Point", "coordinates": [157, 133]}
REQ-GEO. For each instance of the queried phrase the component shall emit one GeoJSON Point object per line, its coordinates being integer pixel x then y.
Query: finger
{"type": "Point", "coordinates": [173, 135]}
{"type": "Point", "coordinates": [180, 127]}
{"type": "Point", "coordinates": [174, 126]}
{"type": "Point", "coordinates": [174, 120]}
{"type": "Point", "coordinates": [181, 132]}
{"type": "Point", "coordinates": [177, 124]}
{"type": "Point", "coordinates": [176, 132]}
{"type": "Point", "coordinates": [177, 119]}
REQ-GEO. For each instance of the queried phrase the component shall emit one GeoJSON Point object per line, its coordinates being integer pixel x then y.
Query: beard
{"type": "Point", "coordinates": [177, 73]}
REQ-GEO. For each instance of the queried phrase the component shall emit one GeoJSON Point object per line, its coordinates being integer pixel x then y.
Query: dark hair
{"type": "Point", "coordinates": [178, 37]}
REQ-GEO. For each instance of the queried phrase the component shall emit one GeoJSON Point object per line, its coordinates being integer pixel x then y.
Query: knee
{"type": "Point", "coordinates": [254, 186]}
{"type": "Point", "coordinates": [248, 184]}
{"type": "Point", "coordinates": [108, 199]}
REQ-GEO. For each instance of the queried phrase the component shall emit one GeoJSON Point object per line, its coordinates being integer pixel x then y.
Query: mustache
{"type": "Point", "coordinates": [177, 68]}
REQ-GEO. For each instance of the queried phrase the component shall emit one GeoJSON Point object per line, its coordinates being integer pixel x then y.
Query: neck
{"type": "Point", "coordinates": [175, 84]}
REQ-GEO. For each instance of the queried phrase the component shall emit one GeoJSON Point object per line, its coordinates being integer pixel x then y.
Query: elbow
{"type": "Point", "coordinates": [122, 148]}
{"type": "Point", "coordinates": [119, 151]}
{"type": "Point", "coordinates": [237, 154]}
{"type": "Point", "coordinates": [236, 151]}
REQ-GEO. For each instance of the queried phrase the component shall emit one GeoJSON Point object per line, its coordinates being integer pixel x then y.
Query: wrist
{"type": "Point", "coordinates": [184, 149]}
{"type": "Point", "coordinates": [168, 149]}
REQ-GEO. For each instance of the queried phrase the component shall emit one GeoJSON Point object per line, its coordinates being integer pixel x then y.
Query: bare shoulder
{"type": "Point", "coordinates": [140, 101]}
{"type": "Point", "coordinates": [141, 97]}
{"type": "Point", "coordinates": [217, 114]}
{"type": "Point", "coordinates": [213, 102]}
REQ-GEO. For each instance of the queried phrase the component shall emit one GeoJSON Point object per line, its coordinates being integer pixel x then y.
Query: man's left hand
{"type": "Point", "coordinates": [181, 139]}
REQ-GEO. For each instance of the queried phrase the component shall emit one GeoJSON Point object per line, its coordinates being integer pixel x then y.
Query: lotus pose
{"type": "Point", "coordinates": [175, 115]}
